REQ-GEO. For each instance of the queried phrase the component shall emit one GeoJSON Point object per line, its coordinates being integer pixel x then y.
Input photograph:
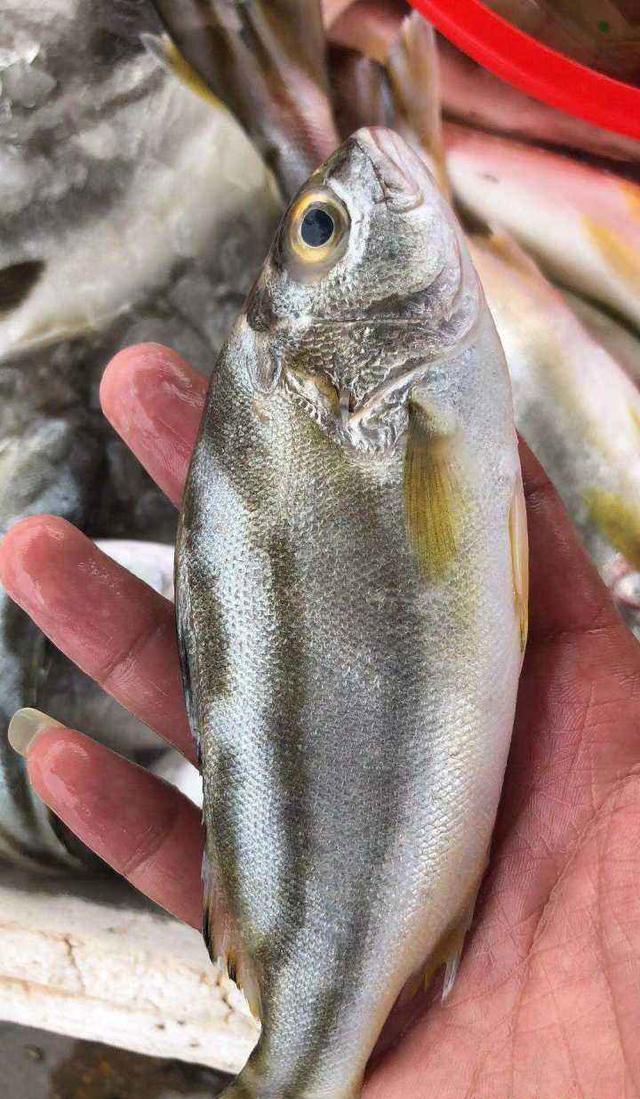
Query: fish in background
{"type": "Point", "coordinates": [351, 600]}
{"type": "Point", "coordinates": [622, 342]}
{"type": "Point", "coordinates": [101, 245]}
{"type": "Point", "coordinates": [575, 404]}
{"type": "Point", "coordinates": [581, 223]}
{"type": "Point", "coordinates": [266, 61]}
{"type": "Point", "coordinates": [473, 95]}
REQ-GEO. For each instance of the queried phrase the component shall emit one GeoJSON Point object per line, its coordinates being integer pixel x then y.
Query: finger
{"type": "Point", "coordinates": [567, 595]}
{"type": "Point", "coordinates": [154, 400]}
{"type": "Point", "coordinates": [109, 623]}
{"type": "Point", "coordinates": [140, 825]}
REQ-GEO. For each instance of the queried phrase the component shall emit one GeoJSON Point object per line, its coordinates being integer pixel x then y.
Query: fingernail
{"type": "Point", "coordinates": [26, 725]}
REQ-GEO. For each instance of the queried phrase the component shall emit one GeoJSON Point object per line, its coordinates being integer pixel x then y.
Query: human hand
{"type": "Point", "coordinates": [546, 1004]}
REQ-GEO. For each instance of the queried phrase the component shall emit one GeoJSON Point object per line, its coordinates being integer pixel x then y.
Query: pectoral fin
{"type": "Point", "coordinates": [433, 489]}
{"type": "Point", "coordinates": [519, 540]}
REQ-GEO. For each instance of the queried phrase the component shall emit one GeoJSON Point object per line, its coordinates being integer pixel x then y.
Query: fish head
{"type": "Point", "coordinates": [365, 287]}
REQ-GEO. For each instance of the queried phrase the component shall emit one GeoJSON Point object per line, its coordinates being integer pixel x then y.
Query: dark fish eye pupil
{"type": "Point", "coordinates": [317, 227]}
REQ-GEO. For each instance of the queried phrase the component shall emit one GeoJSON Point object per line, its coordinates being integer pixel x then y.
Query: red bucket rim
{"type": "Point", "coordinates": [533, 67]}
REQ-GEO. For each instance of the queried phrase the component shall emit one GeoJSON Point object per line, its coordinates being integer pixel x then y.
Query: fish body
{"type": "Point", "coordinates": [581, 223]}
{"type": "Point", "coordinates": [473, 95]}
{"type": "Point", "coordinates": [351, 599]}
{"type": "Point", "coordinates": [575, 404]}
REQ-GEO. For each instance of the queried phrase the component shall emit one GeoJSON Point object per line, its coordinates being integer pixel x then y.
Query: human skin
{"type": "Point", "coordinates": [547, 1001]}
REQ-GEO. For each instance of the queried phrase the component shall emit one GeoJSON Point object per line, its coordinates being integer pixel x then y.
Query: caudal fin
{"type": "Point", "coordinates": [265, 60]}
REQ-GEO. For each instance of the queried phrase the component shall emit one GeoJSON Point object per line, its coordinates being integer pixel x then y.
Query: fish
{"type": "Point", "coordinates": [351, 586]}
{"type": "Point", "coordinates": [101, 245]}
{"type": "Point", "coordinates": [266, 61]}
{"type": "Point", "coordinates": [473, 95]}
{"type": "Point", "coordinates": [619, 340]}
{"type": "Point", "coordinates": [575, 403]}
{"type": "Point", "coordinates": [581, 223]}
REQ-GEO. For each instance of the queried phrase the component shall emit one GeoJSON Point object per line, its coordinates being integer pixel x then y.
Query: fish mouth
{"type": "Point", "coordinates": [399, 170]}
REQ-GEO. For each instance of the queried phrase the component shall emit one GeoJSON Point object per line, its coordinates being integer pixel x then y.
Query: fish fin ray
{"type": "Point", "coordinates": [506, 248]}
{"type": "Point", "coordinates": [433, 491]}
{"type": "Point", "coordinates": [172, 61]}
{"type": "Point", "coordinates": [223, 940]}
{"type": "Point", "coordinates": [519, 542]}
{"type": "Point", "coordinates": [618, 520]}
{"type": "Point", "coordinates": [265, 60]}
{"type": "Point", "coordinates": [414, 75]}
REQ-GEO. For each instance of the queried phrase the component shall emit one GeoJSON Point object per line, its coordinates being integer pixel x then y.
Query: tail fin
{"type": "Point", "coordinates": [406, 49]}
{"type": "Point", "coordinates": [265, 60]}
{"type": "Point", "coordinates": [414, 74]}
{"type": "Point", "coordinates": [361, 91]}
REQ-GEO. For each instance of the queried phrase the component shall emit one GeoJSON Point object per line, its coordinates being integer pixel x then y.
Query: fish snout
{"type": "Point", "coordinates": [399, 170]}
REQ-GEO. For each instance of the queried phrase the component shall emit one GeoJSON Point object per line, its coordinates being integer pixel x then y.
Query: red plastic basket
{"type": "Point", "coordinates": [534, 68]}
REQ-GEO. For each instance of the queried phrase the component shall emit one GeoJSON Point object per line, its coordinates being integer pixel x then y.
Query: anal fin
{"type": "Point", "coordinates": [223, 940]}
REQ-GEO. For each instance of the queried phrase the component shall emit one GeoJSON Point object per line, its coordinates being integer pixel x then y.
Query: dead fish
{"type": "Point", "coordinates": [575, 405]}
{"type": "Point", "coordinates": [351, 600]}
{"type": "Point", "coordinates": [581, 223]}
{"type": "Point", "coordinates": [473, 95]}
{"type": "Point", "coordinates": [265, 59]}
{"type": "Point", "coordinates": [621, 342]}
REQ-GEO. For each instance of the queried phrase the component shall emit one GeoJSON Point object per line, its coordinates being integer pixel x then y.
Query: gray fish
{"type": "Point", "coordinates": [265, 59]}
{"type": "Point", "coordinates": [351, 598]}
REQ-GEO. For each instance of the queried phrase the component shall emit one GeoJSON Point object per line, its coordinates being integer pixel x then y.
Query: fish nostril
{"type": "Point", "coordinates": [17, 281]}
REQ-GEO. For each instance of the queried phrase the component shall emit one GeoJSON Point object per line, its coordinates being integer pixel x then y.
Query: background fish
{"type": "Point", "coordinates": [101, 244]}
{"type": "Point", "coordinates": [265, 59]}
{"type": "Point", "coordinates": [581, 223]}
{"type": "Point", "coordinates": [575, 404]}
{"type": "Point", "coordinates": [351, 583]}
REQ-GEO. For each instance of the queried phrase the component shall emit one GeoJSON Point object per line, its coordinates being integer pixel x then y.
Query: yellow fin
{"type": "Point", "coordinates": [519, 540]}
{"type": "Point", "coordinates": [433, 491]}
{"type": "Point", "coordinates": [621, 256]}
{"type": "Point", "coordinates": [618, 520]}
{"type": "Point", "coordinates": [162, 48]}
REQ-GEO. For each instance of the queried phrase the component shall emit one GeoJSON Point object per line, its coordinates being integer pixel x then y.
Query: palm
{"type": "Point", "coordinates": [546, 1004]}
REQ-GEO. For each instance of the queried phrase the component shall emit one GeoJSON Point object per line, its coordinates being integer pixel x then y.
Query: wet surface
{"type": "Point", "coordinates": [38, 1065]}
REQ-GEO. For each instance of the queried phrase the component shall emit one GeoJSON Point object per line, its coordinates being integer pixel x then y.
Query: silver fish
{"type": "Point", "coordinates": [581, 223]}
{"type": "Point", "coordinates": [265, 59]}
{"type": "Point", "coordinates": [351, 599]}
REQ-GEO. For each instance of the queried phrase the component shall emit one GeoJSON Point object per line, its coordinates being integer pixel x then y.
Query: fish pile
{"type": "Point", "coordinates": [352, 563]}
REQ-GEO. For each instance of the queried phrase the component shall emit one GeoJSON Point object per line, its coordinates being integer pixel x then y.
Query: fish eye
{"type": "Point", "coordinates": [317, 233]}
{"type": "Point", "coordinates": [317, 227]}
